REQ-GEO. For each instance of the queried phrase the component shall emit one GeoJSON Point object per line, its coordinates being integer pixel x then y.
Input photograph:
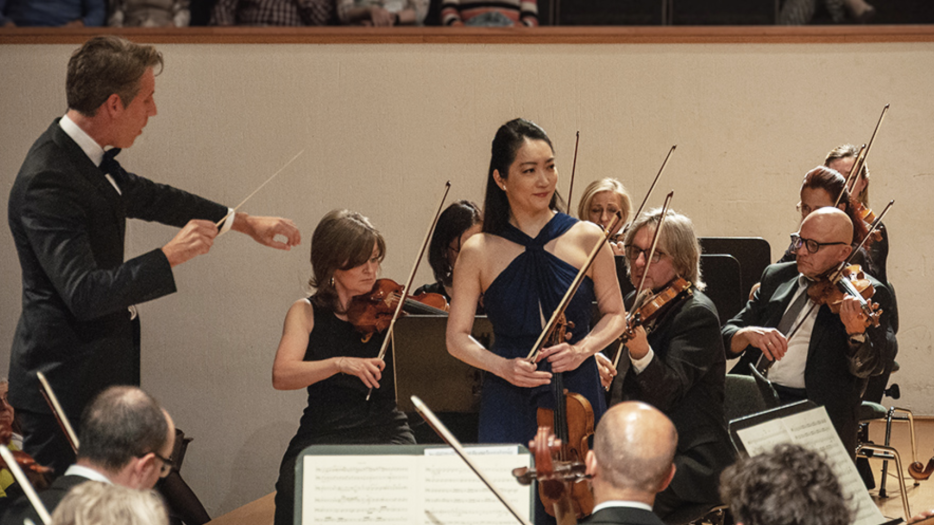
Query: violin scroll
{"type": "Point", "coordinates": [921, 472]}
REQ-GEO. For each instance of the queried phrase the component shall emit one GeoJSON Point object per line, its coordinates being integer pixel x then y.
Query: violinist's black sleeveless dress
{"type": "Point", "coordinates": [529, 288]}
{"type": "Point", "coordinates": [338, 412]}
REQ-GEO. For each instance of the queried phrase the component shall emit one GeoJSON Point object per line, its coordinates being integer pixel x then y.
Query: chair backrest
{"type": "Point", "coordinates": [753, 254]}
{"type": "Point", "coordinates": [722, 273]}
{"type": "Point", "coordinates": [742, 397]}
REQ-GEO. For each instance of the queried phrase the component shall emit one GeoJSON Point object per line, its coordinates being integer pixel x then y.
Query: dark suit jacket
{"type": "Point", "coordinates": [623, 516]}
{"type": "Point", "coordinates": [50, 497]}
{"type": "Point", "coordinates": [834, 373]}
{"type": "Point", "coordinates": [68, 224]}
{"type": "Point", "coordinates": [685, 381]}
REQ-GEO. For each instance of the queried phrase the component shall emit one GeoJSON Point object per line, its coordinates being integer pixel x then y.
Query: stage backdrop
{"type": "Point", "coordinates": [383, 126]}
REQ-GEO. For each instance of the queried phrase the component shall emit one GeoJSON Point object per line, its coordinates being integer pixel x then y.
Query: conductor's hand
{"type": "Point", "coordinates": [563, 357]}
{"type": "Point", "coordinates": [605, 367]}
{"type": "Point", "coordinates": [196, 238]}
{"type": "Point", "coordinates": [369, 370]}
{"type": "Point", "coordinates": [265, 230]}
{"type": "Point", "coordinates": [522, 373]}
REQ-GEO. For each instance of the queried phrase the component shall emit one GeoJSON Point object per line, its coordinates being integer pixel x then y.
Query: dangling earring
{"type": "Point", "coordinates": [332, 281]}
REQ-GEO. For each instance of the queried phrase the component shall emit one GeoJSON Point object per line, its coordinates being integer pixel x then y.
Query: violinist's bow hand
{"type": "Point", "coordinates": [605, 367]}
{"type": "Point", "coordinates": [269, 230]}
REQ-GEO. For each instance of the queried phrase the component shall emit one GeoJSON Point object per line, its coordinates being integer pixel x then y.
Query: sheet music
{"type": "Point", "coordinates": [431, 489]}
{"type": "Point", "coordinates": [813, 429]}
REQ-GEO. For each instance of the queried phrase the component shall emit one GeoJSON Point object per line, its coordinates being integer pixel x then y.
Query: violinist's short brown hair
{"type": "Point", "coordinates": [343, 240]}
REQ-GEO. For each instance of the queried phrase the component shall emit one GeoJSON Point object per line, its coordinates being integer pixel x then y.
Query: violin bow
{"type": "Point", "coordinates": [25, 485]}
{"type": "Point", "coordinates": [852, 175]}
{"type": "Point", "coordinates": [408, 282]}
{"type": "Point", "coordinates": [577, 142]}
{"type": "Point", "coordinates": [248, 197]}
{"type": "Point", "coordinates": [764, 364]}
{"type": "Point", "coordinates": [449, 438]}
{"type": "Point", "coordinates": [652, 187]}
{"type": "Point", "coordinates": [863, 153]}
{"type": "Point", "coordinates": [575, 284]}
{"type": "Point", "coordinates": [639, 298]}
{"type": "Point", "coordinates": [56, 407]}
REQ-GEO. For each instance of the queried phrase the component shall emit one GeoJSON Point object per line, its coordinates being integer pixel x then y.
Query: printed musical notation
{"type": "Point", "coordinates": [436, 488]}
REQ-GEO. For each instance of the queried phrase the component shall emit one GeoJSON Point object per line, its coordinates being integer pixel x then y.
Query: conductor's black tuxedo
{"type": "Point", "coordinates": [834, 373]}
{"type": "Point", "coordinates": [68, 224]}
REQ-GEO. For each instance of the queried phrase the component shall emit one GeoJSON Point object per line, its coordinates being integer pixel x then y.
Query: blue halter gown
{"type": "Point", "coordinates": [529, 288]}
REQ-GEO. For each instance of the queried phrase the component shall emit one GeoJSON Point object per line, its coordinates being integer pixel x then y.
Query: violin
{"type": "Point", "coordinates": [554, 477]}
{"type": "Point", "coordinates": [867, 217]}
{"type": "Point", "coordinates": [850, 281]}
{"type": "Point", "coordinates": [921, 472]}
{"type": "Point", "coordinates": [28, 464]}
{"type": "Point", "coordinates": [652, 307]}
{"type": "Point", "coordinates": [572, 422]}
{"type": "Point", "coordinates": [372, 313]}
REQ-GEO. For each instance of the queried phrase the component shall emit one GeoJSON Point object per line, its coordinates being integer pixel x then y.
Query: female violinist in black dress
{"type": "Point", "coordinates": [321, 351]}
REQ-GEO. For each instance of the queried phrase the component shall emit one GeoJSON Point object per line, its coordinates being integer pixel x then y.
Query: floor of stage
{"type": "Point", "coordinates": [920, 495]}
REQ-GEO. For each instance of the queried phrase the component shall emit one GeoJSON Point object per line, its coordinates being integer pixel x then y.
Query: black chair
{"type": "Point", "coordinates": [722, 273]}
{"type": "Point", "coordinates": [753, 254]}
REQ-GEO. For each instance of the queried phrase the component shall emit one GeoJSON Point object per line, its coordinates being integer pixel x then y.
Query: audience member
{"type": "Point", "coordinates": [98, 503]}
{"type": "Point", "coordinates": [126, 439]}
{"type": "Point", "coordinates": [52, 13]}
{"type": "Point", "coordinates": [149, 13]}
{"type": "Point", "coordinates": [272, 13]}
{"type": "Point", "coordinates": [632, 460]}
{"type": "Point", "coordinates": [800, 12]}
{"type": "Point", "coordinates": [789, 486]}
{"type": "Point", "coordinates": [479, 13]}
{"type": "Point", "coordinates": [382, 13]}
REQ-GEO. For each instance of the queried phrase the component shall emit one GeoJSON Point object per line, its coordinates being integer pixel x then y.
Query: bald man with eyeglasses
{"type": "Point", "coordinates": [816, 354]}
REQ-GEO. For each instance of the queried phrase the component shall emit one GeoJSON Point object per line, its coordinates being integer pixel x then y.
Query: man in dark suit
{"type": "Point", "coordinates": [828, 356]}
{"type": "Point", "coordinates": [676, 360]}
{"type": "Point", "coordinates": [126, 439]}
{"type": "Point", "coordinates": [67, 212]}
{"type": "Point", "coordinates": [631, 461]}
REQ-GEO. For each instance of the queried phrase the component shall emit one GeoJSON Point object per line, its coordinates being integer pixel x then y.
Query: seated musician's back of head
{"type": "Point", "coordinates": [632, 460]}
{"type": "Point", "coordinates": [789, 486]}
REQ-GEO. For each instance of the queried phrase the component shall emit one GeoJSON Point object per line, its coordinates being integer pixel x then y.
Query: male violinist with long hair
{"type": "Point", "coordinates": [676, 361]}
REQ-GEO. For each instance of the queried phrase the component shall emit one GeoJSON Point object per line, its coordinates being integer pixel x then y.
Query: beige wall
{"type": "Point", "coordinates": [383, 126]}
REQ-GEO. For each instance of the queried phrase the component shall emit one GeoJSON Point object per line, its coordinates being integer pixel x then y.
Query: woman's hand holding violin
{"type": "Point", "coordinates": [564, 357]}
{"type": "Point", "coordinates": [522, 373]}
{"type": "Point", "coordinates": [369, 370]}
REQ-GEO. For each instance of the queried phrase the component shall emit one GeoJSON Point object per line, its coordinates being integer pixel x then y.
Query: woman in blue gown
{"type": "Point", "coordinates": [522, 263]}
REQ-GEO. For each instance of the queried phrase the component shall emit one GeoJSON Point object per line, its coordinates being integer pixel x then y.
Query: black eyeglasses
{"type": "Point", "coordinates": [812, 246]}
{"type": "Point", "coordinates": [166, 464]}
{"type": "Point", "coordinates": [633, 252]}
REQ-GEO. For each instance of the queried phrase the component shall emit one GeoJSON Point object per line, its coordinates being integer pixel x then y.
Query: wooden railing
{"type": "Point", "coordinates": [443, 35]}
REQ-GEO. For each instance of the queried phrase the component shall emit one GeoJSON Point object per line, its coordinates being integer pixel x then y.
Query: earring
{"type": "Point", "coordinates": [504, 187]}
{"type": "Point", "coordinates": [332, 281]}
